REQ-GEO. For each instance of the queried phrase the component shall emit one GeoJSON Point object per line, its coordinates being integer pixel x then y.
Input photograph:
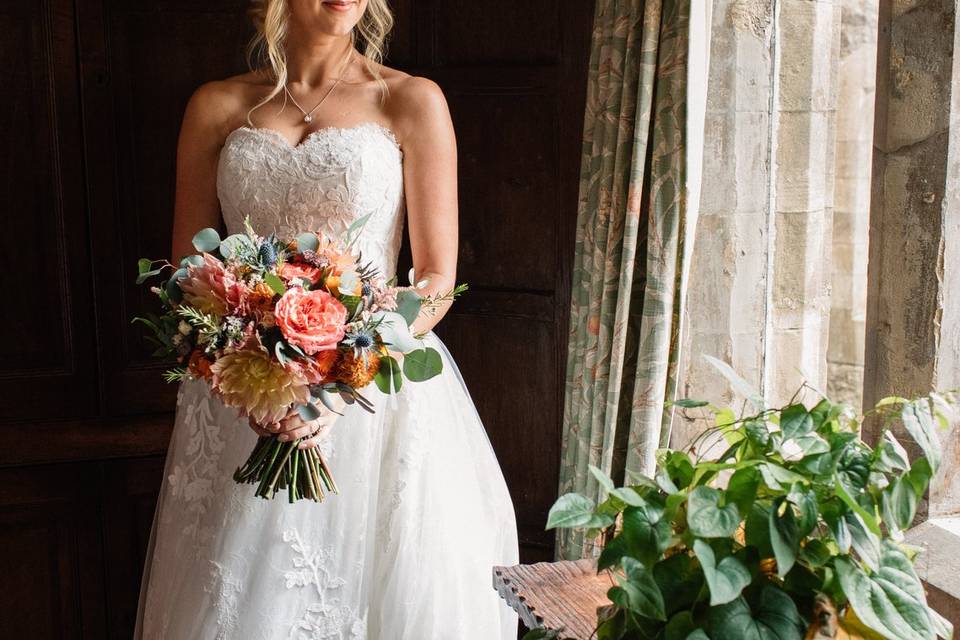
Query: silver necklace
{"type": "Point", "coordinates": [308, 115]}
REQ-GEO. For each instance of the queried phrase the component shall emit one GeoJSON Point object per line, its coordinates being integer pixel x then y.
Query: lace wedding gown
{"type": "Point", "coordinates": [405, 551]}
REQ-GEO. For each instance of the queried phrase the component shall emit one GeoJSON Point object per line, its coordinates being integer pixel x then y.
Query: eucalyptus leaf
{"type": "Point", "coordinates": [395, 332]}
{"type": "Point", "coordinates": [409, 303]}
{"type": "Point", "coordinates": [706, 518]}
{"type": "Point", "coordinates": [232, 243]}
{"type": "Point", "coordinates": [389, 377]}
{"type": "Point", "coordinates": [422, 364]}
{"type": "Point", "coordinates": [726, 579]}
{"type": "Point", "coordinates": [191, 261]}
{"type": "Point", "coordinates": [308, 412]}
{"type": "Point", "coordinates": [206, 240]}
{"type": "Point", "coordinates": [307, 242]}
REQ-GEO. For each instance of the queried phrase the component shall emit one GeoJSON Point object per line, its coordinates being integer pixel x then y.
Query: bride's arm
{"type": "Point", "coordinates": [201, 136]}
{"type": "Point", "coordinates": [422, 121]}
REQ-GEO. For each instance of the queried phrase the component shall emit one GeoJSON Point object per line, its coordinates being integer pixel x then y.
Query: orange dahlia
{"type": "Point", "coordinates": [321, 368]}
{"type": "Point", "coordinates": [353, 371]}
{"type": "Point", "coordinates": [199, 365]}
{"type": "Point", "coordinates": [257, 385]}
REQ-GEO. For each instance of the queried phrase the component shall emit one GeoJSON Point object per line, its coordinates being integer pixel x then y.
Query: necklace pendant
{"type": "Point", "coordinates": [308, 119]}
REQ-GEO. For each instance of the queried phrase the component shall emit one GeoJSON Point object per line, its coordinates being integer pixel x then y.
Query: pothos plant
{"type": "Point", "coordinates": [794, 530]}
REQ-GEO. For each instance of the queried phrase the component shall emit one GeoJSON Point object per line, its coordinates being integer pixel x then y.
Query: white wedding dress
{"type": "Point", "coordinates": [405, 551]}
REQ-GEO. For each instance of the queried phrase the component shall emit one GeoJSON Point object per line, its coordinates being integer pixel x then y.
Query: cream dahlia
{"type": "Point", "coordinates": [257, 385]}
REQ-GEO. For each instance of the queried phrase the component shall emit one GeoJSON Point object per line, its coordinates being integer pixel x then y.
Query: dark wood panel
{"type": "Point", "coordinates": [49, 370]}
{"type": "Point", "coordinates": [509, 188]}
{"type": "Point", "coordinates": [520, 417]}
{"type": "Point", "coordinates": [50, 536]}
{"type": "Point", "coordinates": [497, 32]}
{"type": "Point", "coordinates": [131, 489]}
{"type": "Point", "coordinates": [143, 61]}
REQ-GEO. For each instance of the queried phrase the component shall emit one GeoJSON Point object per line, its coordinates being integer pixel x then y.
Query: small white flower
{"type": "Point", "coordinates": [177, 339]}
{"type": "Point", "coordinates": [184, 328]}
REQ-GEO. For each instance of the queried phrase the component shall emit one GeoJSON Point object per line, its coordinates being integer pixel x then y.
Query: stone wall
{"type": "Point", "coordinates": [857, 70]}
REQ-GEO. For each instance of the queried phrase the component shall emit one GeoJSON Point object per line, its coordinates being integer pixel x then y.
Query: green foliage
{"type": "Point", "coordinates": [797, 508]}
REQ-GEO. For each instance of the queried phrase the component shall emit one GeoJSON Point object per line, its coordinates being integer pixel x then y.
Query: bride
{"type": "Point", "coordinates": [321, 136]}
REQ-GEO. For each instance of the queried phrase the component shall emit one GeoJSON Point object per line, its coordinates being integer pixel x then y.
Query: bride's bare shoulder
{"type": "Point", "coordinates": [414, 101]}
{"type": "Point", "coordinates": [220, 105]}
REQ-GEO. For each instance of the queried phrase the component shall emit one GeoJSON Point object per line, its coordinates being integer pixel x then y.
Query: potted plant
{"type": "Point", "coordinates": [795, 531]}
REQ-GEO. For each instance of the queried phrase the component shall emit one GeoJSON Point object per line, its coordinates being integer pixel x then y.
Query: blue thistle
{"type": "Point", "coordinates": [267, 254]}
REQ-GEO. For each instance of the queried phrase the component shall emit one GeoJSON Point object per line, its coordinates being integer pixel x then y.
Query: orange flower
{"type": "Point", "coordinates": [352, 370]}
{"type": "Point", "coordinates": [311, 320]}
{"type": "Point", "coordinates": [320, 369]}
{"type": "Point", "coordinates": [292, 270]}
{"type": "Point", "coordinates": [199, 365]}
{"type": "Point", "coordinates": [258, 301]}
{"type": "Point", "coordinates": [333, 285]}
{"type": "Point", "coordinates": [338, 259]}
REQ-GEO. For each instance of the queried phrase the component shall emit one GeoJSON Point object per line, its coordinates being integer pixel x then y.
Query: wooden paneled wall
{"type": "Point", "coordinates": [92, 96]}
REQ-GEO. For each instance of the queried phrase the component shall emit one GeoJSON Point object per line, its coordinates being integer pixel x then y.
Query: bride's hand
{"type": "Point", "coordinates": [312, 432]}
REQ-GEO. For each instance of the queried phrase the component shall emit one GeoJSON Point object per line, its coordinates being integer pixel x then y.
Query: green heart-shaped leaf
{"type": "Point", "coordinates": [771, 615]}
{"type": "Point", "coordinates": [726, 579]}
{"type": "Point", "coordinates": [638, 591]}
{"type": "Point", "coordinates": [891, 600]}
{"type": "Point", "coordinates": [706, 518]}
{"type": "Point", "coordinates": [795, 421]}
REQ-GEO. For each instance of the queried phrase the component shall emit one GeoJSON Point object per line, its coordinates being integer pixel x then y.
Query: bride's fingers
{"type": "Point", "coordinates": [314, 440]}
{"type": "Point", "coordinates": [258, 428]}
{"type": "Point", "coordinates": [299, 432]}
{"type": "Point", "coordinates": [291, 422]}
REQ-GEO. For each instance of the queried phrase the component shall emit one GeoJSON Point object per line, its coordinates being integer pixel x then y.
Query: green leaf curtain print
{"type": "Point", "coordinates": [628, 273]}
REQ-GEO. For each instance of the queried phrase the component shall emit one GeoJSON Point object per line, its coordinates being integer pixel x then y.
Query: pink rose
{"type": "Point", "coordinates": [292, 270]}
{"type": "Point", "coordinates": [311, 320]}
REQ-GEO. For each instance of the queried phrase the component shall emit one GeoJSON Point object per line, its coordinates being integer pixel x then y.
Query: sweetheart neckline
{"type": "Point", "coordinates": [386, 132]}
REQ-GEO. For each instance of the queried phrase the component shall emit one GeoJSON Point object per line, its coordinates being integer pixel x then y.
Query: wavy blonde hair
{"type": "Point", "coordinates": [267, 47]}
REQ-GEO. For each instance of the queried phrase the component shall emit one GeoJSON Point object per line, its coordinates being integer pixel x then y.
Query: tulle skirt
{"type": "Point", "coordinates": [403, 552]}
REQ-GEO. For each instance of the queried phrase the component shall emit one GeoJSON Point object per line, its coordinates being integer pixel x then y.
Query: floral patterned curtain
{"type": "Point", "coordinates": [628, 267]}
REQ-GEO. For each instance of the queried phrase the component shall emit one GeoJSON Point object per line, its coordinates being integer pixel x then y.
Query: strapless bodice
{"type": "Point", "coordinates": [332, 178]}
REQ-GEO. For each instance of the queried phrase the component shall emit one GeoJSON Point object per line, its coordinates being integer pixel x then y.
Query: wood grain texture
{"type": "Point", "coordinates": [563, 596]}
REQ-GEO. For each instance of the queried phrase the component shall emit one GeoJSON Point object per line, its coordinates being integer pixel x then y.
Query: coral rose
{"type": "Point", "coordinates": [211, 288]}
{"type": "Point", "coordinates": [311, 320]}
{"type": "Point", "coordinates": [293, 270]}
{"type": "Point", "coordinates": [259, 386]}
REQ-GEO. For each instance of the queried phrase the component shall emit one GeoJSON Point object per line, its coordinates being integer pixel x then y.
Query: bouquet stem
{"type": "Point", "coordinates": [274, 466]}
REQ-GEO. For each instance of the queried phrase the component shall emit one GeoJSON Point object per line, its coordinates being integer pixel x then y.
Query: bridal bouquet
{"type": "Point", "coordinates": [275, 325]}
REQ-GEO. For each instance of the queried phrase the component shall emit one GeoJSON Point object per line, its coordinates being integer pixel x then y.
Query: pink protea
{"type": "Point", "coordinates": [211, 288]}
{"type": "Point", "coordinates": [263, 389]}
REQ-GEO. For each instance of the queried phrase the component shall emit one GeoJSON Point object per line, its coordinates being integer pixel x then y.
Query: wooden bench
{"type": "Point", "coordinates": [555, 595]}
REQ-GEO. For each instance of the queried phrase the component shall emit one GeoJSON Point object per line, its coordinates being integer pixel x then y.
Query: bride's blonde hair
{"type": "Point", "coordinates": [267, 48]}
